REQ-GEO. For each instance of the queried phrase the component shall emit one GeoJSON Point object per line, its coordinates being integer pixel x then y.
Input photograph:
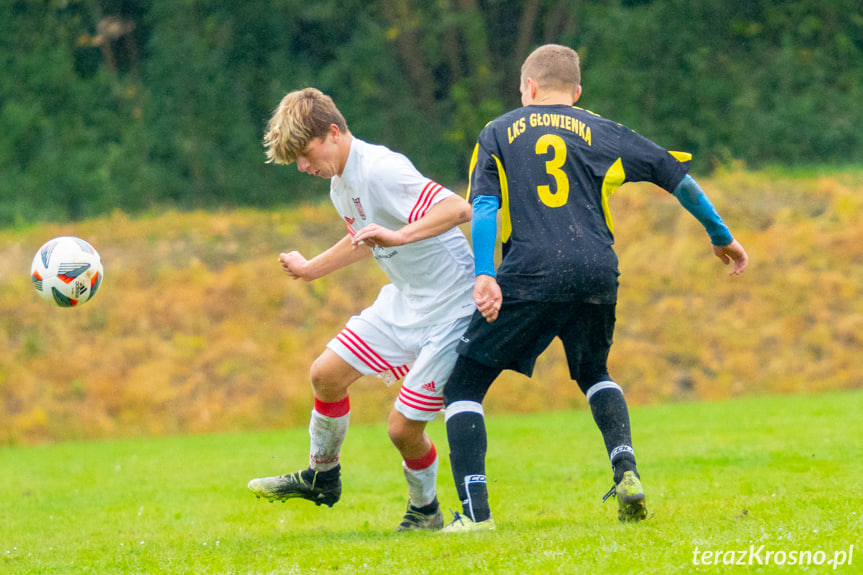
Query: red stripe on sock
{"type": "Point", "coordinates": [333, 408]}
{"type": "Point", "coordinates": [424, 461]}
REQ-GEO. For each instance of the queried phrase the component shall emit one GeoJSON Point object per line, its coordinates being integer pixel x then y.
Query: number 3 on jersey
{"type": "Point", "coordinates": [553, 167]}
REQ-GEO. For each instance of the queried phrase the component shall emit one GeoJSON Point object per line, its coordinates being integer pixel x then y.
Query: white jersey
{"type": "Point", "coordinates": [431, 280]}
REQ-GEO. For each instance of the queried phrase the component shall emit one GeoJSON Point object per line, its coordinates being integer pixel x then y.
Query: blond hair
{"type": "Point", "coordinates": [553, 67]}
{"type": "Point", "coordinates": [301, 116]}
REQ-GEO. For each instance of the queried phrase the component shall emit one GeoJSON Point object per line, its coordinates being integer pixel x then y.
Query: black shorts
{"type": "Point", "coordinates": [524, 329]}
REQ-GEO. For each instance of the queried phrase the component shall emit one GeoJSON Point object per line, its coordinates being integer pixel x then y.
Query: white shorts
{"type": "Point", "coordinates": [422, 356]}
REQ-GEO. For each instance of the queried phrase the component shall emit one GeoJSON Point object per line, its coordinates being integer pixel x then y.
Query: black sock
{"type": "Point", "coordinates": [428, 509]}
{"type": "Point", "coordinates": [612, 418]}
{"type": "Point", "coordinates": [327, 476]}
{"type": "Point", "coordinates": [621, 464]}
{"type": "Point", "coordinates": [475, 505]}
{"type": "Point", "coordinates": [468, 443]}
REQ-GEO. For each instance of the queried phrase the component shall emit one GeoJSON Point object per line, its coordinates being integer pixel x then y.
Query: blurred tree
{"type": "Point", "coordinates": [59, 131]}
{"type": "Point", "coordinates": [140, 104]}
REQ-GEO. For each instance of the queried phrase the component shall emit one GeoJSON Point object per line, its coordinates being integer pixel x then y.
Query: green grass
{"type": "Point", "coordinates": [782, 472]}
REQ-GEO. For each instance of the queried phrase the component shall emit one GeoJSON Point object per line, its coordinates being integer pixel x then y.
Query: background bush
{"type": "Point", "coordinates": [137, 124]}
{"type": "Point", "coordinates": [196, 327]}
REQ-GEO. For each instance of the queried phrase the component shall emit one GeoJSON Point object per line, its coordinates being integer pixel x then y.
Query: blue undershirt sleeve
{"type": "Point", "coordinates": [483, 231]}
{"type": "Point", "coordinates": [691, 197]}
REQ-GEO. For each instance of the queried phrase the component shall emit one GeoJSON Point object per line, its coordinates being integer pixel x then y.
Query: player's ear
{"type": "Point", "coordinates": [528, 91]}
{"type": "Point", "coordinates": [533, 86]}
{"type": "Point", "coordinates": [577, 94]}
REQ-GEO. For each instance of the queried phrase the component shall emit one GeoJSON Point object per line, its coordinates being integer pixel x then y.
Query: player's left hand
{"type": "Point", "coordinates": [733, 252]}
{"type": "Point", "coordinates": [487, 296]}
{"type": "Point", "coordinates": [374, 235]}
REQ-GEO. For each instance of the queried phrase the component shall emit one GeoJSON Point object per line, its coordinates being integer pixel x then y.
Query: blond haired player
{"type": "Point", "coordinates": [408, 223]}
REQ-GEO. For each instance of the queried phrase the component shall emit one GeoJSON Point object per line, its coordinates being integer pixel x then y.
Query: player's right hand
{"type": "Point", "coordinates": [294, 264]}
{"type": "Point", "coordinates": [487, 296]}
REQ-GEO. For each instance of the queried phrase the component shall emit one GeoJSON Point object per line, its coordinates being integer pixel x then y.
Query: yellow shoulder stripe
{"type": "Point", "coordinates": [681, 156]}
{"type": "Point", "coordinates": [506, 220]}
{"type": "Point", "coordinates": [470, 170]}
{"type": "Point", "coordinates": [614, 178]}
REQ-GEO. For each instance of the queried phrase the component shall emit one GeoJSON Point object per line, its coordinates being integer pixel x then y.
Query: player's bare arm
{"type": "Point", "coordinates": [735, 253]}
{"type": "Point", "coordinates": [487, 296]}
{"type": "Point", "coordinates": [443, 216]}
{"type": "Point", "coordinates": [342, 254]}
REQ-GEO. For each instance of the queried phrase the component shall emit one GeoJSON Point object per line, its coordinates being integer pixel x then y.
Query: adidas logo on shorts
{"type": "Point", "coordinates": [429, 386]}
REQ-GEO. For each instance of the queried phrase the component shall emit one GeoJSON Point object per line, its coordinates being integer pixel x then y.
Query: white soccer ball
{"type": "Point", "coordinates": [67, 271]}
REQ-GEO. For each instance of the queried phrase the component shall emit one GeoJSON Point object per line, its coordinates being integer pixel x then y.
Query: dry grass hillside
{"type": "Point", "coordinates": [197, 329]}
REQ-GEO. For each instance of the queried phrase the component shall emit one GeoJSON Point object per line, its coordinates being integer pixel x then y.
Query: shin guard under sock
{"type": "Point", "coordinates": [421, 475]}
{"type": "Point", "coordinates": [328, 427]}
{"type": "Point", "coordinates": [612, 418]}
{"type": "Point", "coordinates": [468, 442]}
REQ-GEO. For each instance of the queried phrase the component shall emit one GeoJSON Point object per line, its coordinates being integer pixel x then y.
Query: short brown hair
{"type": "Point", "coordinates": [300, 117]}
{"type": "Point", "coordinates": [553, 67]}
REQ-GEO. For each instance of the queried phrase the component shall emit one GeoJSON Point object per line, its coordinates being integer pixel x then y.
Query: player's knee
{"type": "Point", "coordinates": [469, 381]}
{"type": "Point", "coordinates": [326, 382]}
{"type": "Point", "coordinates": [398, 435]}
{"type": "Point", "coordinates": [317, 373]}
{"type": "Point", "coordinates": [404, 432]}
{"type": "Point", "coordinates": [462, 394]}
{"type": "Point", "coordinates": [589, 374]}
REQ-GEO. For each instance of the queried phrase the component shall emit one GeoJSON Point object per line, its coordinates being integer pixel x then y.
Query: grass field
{"type": "Point", "coordinates": [780, 476]}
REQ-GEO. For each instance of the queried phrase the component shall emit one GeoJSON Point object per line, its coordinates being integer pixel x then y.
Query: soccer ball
{"type": "Point", "coordinates": [67, 271]}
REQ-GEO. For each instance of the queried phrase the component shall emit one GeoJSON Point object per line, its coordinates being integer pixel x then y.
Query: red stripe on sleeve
{"type": "Point", "coordinates": [425, 201]}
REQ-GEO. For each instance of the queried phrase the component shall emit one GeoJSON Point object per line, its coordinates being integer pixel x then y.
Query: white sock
{"type": "Point", "coordinates": [422, 482]}
{"type": "Point", "coordinates": [327, 434]}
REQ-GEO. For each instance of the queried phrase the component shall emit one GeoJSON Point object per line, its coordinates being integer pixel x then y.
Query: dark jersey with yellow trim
{"type": "Point", "coordinates": [553, 169]}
